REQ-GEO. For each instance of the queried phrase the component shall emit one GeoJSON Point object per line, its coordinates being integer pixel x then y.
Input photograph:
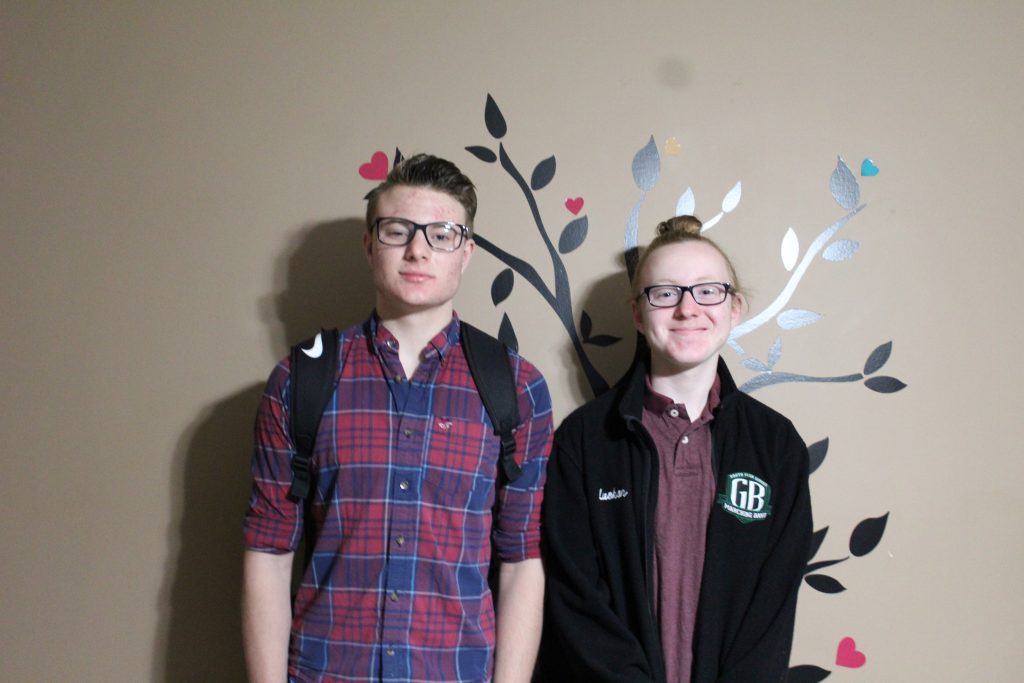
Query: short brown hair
{"type": "Point", "coordinates": [682, 229]}
{"type": "Point", "coordinates": [426, 170]}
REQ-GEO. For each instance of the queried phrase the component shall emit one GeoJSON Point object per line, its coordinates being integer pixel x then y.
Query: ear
{"type": "Point", "coordinates": [467, 253]}
{"type": "Point", "coordinates": [638, 320]}
{"type": "Point", "coordinates": [368, 247]}
{"type": "Point", "coordinates": [738, 302]}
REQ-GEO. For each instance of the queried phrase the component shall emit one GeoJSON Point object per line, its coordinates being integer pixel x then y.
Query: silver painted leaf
{"type": "Point", "coordinates": [775, 352]}
{"type": "Point", "coordinates": [790, 249]}
{"type": "Point", "coordinates": [732, 198]}
{"type": "Point", "coordinates": [841, 250]}
{"type": "Point", "coordinates": [756, 365]}
{"type": "Point", "coordinates": [647, 166]}
{"type": "Point", "coordinates": [687, 204]}
{"type": "Point", "coordinates": [796, 317]}
{"type": "Point", "coordinates": [844, 187]}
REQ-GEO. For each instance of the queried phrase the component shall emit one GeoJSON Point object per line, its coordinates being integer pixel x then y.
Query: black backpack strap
{"type": "Point", "coordinates": [314, 369]}
{"type": "Point", "coordinates": [492, 372]}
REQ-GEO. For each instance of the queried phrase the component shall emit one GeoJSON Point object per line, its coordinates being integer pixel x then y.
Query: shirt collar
{"type": "Point", "coordinates": [442, 342]}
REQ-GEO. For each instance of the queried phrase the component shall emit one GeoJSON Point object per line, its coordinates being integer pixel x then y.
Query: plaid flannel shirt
{"type": "Point", "coordinates": [404, 489]}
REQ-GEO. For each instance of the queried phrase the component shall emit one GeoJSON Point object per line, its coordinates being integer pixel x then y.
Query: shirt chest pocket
{"type": "Point", "coordinates": [461, 462]}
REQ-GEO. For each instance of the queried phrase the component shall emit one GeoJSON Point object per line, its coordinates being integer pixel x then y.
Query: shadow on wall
{"type": "Point", "coordinates": [606, 302]}
{"type": "Point", "coordinates": [321, 279]}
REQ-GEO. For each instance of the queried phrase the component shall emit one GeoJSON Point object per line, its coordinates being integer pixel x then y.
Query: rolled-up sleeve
{"type": "Point", "coordinates": [517, 528]}
{"type": "Point", "coordinates": [273, 521]}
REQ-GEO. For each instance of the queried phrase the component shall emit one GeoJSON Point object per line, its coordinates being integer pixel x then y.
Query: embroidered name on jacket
{"type": "Point", "coordinates": [614, 494]}
{"type": "Point", "coordinates": [747, 497]}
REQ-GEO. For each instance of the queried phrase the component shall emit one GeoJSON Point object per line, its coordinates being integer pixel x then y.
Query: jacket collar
{"type": "Point", "coordinates": [631, 387]}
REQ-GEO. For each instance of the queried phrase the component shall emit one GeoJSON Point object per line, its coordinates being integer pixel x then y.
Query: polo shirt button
{"type": "Point", "coordinates": [404, 485]}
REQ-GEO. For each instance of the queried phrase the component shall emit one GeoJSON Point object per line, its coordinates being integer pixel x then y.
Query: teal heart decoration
{"type": "Point", "coordinates": [868, 168]}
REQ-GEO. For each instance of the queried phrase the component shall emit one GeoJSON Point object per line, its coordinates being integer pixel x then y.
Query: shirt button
{"type": "Point", "coordinates": [390, 652]}
{"type": "Point", "coordinates": [400, 540]}
{"type": "Point", "coordinates": [673, 412]}
{"type": "Point", "coordinates": [404, 485]}
{"type": "Point", "coordinates": [684, 440]}
{"type": "Point", "coordinates": [390, 343]}
{"type": "Point", "coordinates": [393, 596]}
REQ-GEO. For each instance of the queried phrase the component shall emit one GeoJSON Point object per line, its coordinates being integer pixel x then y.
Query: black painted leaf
{"type": "Point", "coordinates": [756, 365]}
{"type": "Point", "coordinates": [816, 540]}
{"type": "Point", "coordinates": [824, 584]}
{"type": "Point", "coordinates": [815, 566]}
{"type": "Point", "coordinates": [816, 454]}
{"type": "Point", "coordinates": [492, 117]}
{"type": "Point", "coordinates": [603, 340]}
{"type": "Point", "coordinates": [502, 286]}
{"type": "Point", "coordinates": [807, 673]}
{"type": "Point", "coordinates": [543, 174]}
{"type": "Point", "coordinates": [877, 358]}
{"type": "Point", "coordinates": [884, 384]}
{"type": "Point", "coordinates": [483, 153]}
{"type": "Point", "coordinates": [586, 325]}
{"type": "Point", "coordinates": [398, 157]}
{"type": "Point", "coordinates": [573, 235]}
{"type": "Point", "coordinates": [867, 534]}
{"type": "Point", "coordinates": [508, 335]}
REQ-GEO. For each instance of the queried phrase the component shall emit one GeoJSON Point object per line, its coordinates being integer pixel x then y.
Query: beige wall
{"type": "Point", "coordinates": [180, 201]}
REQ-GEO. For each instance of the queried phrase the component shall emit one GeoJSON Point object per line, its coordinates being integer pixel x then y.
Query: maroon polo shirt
{"type": "Point", "coordinates": [686, 492]}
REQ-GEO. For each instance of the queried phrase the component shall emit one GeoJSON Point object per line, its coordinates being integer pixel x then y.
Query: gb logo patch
{"type": "Point", "coordinates": [747, 498]}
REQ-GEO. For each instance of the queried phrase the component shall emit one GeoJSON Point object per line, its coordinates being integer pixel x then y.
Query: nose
{"type": "Point", "coordinates": [687, 305]}
{"type": "Point", "coordinates": [417, 248]}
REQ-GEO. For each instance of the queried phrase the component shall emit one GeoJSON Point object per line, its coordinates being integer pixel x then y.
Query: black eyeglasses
{"type": "Point", "coordinates": [670, 296]}
{"type": "Point", "coordinates": [441, 236]}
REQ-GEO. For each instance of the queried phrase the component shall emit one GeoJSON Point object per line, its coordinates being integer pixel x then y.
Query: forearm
{"type": "Point", "coordinates": [520, 614]}
{"type": "Point", "coordinates": [266, 615]}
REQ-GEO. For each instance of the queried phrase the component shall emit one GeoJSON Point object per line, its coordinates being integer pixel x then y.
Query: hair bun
{"type": "Point", "coordinates": [689, 225]}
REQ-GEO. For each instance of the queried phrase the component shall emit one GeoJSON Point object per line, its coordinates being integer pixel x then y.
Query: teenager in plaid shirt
{"type": "Point", "coordinates": [404, 499]}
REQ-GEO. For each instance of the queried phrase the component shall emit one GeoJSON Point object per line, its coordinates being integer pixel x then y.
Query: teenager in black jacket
{"type": "Point", "coordinates": [675, 545]}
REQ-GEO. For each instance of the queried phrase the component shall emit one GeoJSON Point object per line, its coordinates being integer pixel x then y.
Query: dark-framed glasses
{"type": "Point", "coordinates": [441, 236]}
{"type": "Point", "coordinates": [670, 296]}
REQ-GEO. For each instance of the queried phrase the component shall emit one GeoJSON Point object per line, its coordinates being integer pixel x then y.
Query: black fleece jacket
{"type": "Point", "coordinates": [599, 506]}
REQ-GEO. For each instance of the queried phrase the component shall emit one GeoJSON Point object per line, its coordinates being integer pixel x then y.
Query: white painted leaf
{"type": "Point", "coordinates": [790, 249]}
{"type": "Point", "coordinates": [711, 223]}
{"type": "Point", "coordinates": [687, 204]}
{"type": "Point", "coordinates": [732, 198]}
{"type": "Point", "coordinates": [841, 250]}
{"type": "Point", "coordinates": [796, 317]}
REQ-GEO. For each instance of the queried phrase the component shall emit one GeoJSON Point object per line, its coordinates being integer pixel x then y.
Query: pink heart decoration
{"type": "Point", "coordinates": [574, 205]}
{"type": "Point", "coordinates": [376, 168]}
{"type": "Point", "coordinates": [848, 655]}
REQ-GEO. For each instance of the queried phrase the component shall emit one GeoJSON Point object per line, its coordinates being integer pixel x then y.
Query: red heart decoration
{"type": "Point", "coordinates": [376, 168]}
{"type": "Point", "coordinates": [848, 655]}
{"type": "Point", "coordinates": [574, 205]}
